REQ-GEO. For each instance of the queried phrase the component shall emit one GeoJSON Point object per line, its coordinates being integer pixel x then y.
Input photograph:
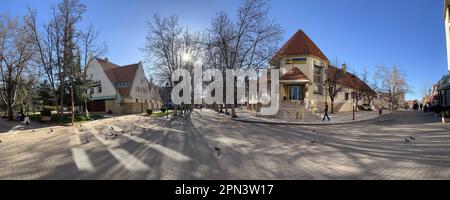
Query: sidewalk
{"type": "Point", "coordinates": [338, 118]}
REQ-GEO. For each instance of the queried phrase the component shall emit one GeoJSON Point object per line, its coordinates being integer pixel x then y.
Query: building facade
{"type": "Point", "coordinates": [120, 89]}
{"type": "Point", "coordinates": [441, 90]}
{"type": "Point", "coordinates": [303, 79]}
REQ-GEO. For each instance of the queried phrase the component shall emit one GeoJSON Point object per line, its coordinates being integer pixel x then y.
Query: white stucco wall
{"type": "Point", "coordinates": [140, 81]}
{"type": "Point", "coordinates": [108, 90]}
{"type": "Point", "coordinates": [308, 70]}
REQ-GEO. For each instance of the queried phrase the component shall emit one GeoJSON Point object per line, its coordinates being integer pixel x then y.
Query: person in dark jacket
{"type": "Point", "coordinates": [325, 113]}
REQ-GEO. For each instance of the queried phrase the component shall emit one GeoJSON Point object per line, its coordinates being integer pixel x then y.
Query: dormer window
{"type": "Point", "coordinates": [122, 84]}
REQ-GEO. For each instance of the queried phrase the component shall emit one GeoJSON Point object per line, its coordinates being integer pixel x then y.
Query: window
{"type": "Point", "coordinates": [295, 92]}
{"type": "Point", "coordinates": [317, 74]}
{"type": "Point", "coordinates": [91, 91]}
{"type": "Point", "coordinates": [122, 84]}
{"type": "Point", "coordinates": [92, 76]}
{"type": "Point", "coordinates": [318, 78]}
{"type": "Point", "coordinates": [99, 89]}
{"type": "Point", "coordinates": [346, 96]}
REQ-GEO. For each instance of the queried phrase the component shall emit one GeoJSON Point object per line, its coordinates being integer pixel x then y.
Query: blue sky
{"type": "Point", "coordinates": [362, 33]}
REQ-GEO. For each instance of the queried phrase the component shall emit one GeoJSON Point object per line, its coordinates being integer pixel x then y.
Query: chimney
{"type": "Point", "coordinates": [344, 68]}
{"type": "Point", "coordinates": [106, 59]}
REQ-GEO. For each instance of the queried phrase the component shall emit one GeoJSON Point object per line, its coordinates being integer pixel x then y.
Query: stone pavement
{"type": "Point", "coordinates": [184, 147]}
{"type": "Point", "coordinates": [338, 118]}
{"type": "Point", "coordinates": [9, 127]}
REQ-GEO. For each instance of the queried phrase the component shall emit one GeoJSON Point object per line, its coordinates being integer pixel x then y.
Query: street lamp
{"type": "Point", "coordinates": [354, 95]}
{"type": "Point", "coordinates": [167, 93]}
{"type": "Point", "coordinates": [325, 88]}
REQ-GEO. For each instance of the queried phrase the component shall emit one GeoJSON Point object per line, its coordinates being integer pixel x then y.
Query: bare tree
{"type": "Point", "coordinates": [89, 48]}
{"type": "Point", "coordinates": [370, 96]}
{"type": "Point", "coordinates": [247, 43]}
{"type": "Point", "coordinates": [59, 49]}
{"type": "Point", "coordinates": [360, 90]}
{"type": "Point", "coordinates": [45, 48]}
{"type": "Point", "coordinates": [162, 47]}
{"type": "Point", "coordinates": [169, 46]}
{"type": "Point", "coordinates": [16, 51]}
{"type": "Point", "coordinates": [333, 77]}
{"type": "Point", "coordinates": [393, 83]}
{"type": "Point", "coordinates": [66, 15]}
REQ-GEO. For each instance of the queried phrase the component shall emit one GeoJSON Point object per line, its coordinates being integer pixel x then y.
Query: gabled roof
{"type": "Point", "coordinates": [346, 79]}
{"type": "Point", "coordinates": [119, 74]}
{"type": "Point", "coordinates": [300, 43]}
{"type": "Point", "coordinates": [294, 74]}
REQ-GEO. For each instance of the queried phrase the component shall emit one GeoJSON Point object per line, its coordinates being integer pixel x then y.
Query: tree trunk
{"type": "Point", "coordinates": [61, 110]}
{"type": "Point", "coordinates": [86, 108]}
{"type": "Point", "coordinates": [233, 111]}
{"type": "Point", "coordinates": [356, 105]}
{"type": "Point", "coordinates": [332, 105]}
{"type": "Point", "coordinates": [10, 112]}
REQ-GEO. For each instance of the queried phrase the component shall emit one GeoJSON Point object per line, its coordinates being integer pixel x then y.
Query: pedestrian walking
{"type": "Point", "coordinates": [325, 113]}
{"type": "Point", "coordinates": [421, 106]}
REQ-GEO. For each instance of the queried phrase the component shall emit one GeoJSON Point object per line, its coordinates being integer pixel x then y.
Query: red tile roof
{"type": "Point", "coordinates": [293, 74]}
{"type": "Point", "coordinates": [300, 43]}
{"type": "Point", "coordinates": [347, 79]}
{"type": "Point", "coordinates": [117, 74]}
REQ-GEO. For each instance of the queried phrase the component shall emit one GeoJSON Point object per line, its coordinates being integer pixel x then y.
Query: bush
{"type": "Point", "coordinates": [149, 112]}
{"type": "Point", "coordinates": [46, 112]}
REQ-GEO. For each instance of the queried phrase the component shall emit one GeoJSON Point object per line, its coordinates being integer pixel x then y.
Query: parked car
{"type": "Point", "coordinates": [366, 107]}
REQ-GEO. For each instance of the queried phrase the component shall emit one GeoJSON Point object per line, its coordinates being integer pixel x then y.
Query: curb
{"type": "Point", "coordinates": [307, 124]}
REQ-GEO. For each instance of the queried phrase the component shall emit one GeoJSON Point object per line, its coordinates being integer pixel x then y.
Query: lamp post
{"type": "Point", "coordinates": [167, 93]}
{"type": "Point", "coordinates": [325, 88]}
{"type": "Point", "coordinates": [354, 95]}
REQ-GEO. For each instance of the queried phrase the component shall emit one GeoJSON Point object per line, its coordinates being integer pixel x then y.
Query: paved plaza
{"type": "Point", "coordinates": [337, 118]}
{"type": "Point", "coordinates": [208, 145]}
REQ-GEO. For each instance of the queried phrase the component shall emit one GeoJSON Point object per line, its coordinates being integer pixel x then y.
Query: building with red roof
{"type": "Point", "coordinates": [303, 79]}
{"type": "Point", "coordinates": [120, 89]}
